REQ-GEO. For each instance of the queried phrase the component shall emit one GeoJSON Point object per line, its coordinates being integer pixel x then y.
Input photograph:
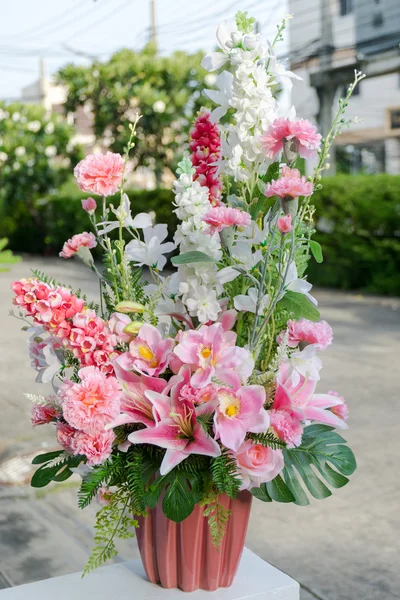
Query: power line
{"type": "Point", "coordinates": [109, 15]}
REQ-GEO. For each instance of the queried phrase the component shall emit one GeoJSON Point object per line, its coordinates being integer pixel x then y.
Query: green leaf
{"type": "Point", "coordinates": [59, 472]}
{"type": "Point", "coordinates": [191, 257]}
{"type": "Point", "coordinates": [47, 457]}
{"type": "Point", "coordinates": [316, 251]}
{"type": "Point", "coordinates": [321, 450]}
{"type": "Point", "coordinates": [178, 502]}
{"type": "Point", "coordinates": [272, 173]}
{"type": "Point", "coordinates": [299, 306]}
{"type": "Point", "coordinates": [261, 493]}
{"type": "Point", "coordinates": [279, 491]}
{"type": "Point", "coordinates": [185, 167]}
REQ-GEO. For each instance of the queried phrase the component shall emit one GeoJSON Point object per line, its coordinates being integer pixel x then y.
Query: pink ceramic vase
{"type": "Point", "coordinates": [181, 555]}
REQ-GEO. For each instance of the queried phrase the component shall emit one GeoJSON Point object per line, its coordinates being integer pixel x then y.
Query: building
{"type": "Point", "coordinates": [328, 40]}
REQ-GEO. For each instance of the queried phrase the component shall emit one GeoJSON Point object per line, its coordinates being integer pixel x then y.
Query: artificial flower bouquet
{"type": "Point", "coordinates": [180, 388]}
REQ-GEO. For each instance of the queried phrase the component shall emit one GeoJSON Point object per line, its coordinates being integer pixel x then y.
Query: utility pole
{"type": "Point", "coordinates": [153, 23]}
{"type": "Point", "coordinates": [42, 83]}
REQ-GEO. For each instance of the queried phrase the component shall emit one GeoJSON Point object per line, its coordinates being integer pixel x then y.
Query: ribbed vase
{"type": "Point", "coordinates": [181, 555]}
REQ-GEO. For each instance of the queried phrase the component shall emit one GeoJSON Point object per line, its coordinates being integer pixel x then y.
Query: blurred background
{"type": "Point", "coordinates": [72, 74]}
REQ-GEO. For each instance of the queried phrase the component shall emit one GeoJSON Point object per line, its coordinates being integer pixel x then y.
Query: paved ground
{"type": "Point", "coordinates": [343, 548]}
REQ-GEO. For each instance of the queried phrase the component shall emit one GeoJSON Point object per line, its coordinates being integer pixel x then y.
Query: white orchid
{"type": "Point", "coordinates": [294, 284]}
{"type": "Point", "coordinates": [45, 358]}
{"type": "Point", "coordinates": [151, 251]}
{"type": "Point", "coordinates": [123, 212]}
{"type": "Point", "coordinates": [248, 302]}
{"type": "Point", "coordinates": [306, 364]}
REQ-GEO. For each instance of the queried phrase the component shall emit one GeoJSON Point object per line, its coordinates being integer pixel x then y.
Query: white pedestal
{"type": "Point", "coordinates": [256, 580]}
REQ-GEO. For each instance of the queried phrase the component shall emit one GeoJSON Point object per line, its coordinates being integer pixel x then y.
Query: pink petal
{"type": "Point", "coordinates": [231, 432]}
{"type": "Point", "coordinates": [324, 416]}
{"type": "Point", "coordinates": [160, 402]}
{"type": "Point", "coordinates": [228, 319]}
{"type": "Point", "coordinates": [151, 335]}
{"type": "Point", "coordinates": [202, 377]}
{"type": "Point", "coordinates": [252, 398]}
{"type": "Point", "coordinates": [203, 443]}
{"type": "Point", "coordinates": [282, 398]}
{"type": "Point", "coordinates": [187, 352]}
{"type": "Point", "coordinates": [324, 401]}
{"type": "Point", "coordinates": [170, 460]}
{"type": "Point", "coordinates": [257, 423]}
{"type": "Point", "coordinates": [165, 435]}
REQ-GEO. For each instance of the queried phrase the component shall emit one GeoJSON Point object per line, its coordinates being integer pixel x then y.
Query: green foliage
{"type": "Point", "coordinates": [54, 466]}
{"type": "Point", "coordinates": [192, 257]}
{"type": "Point", "coordinates": [321, 450]}
{"type": "Point", "coordinates": [165, 90]}
{"type": "Point", "coordinates": [244, 23]}
{"type": "Point", "coordinates": [179, 500]}
{"type": "Point", "coordinates": [268, 439]}
{"type": "Point", "coordinates": [217, 516]}
{"type": "Point", "coordinates": [298, 306]}
{"type": "Point", "coordinates": [357, 223]}
{"type": "Point", "coordinates": [94, 480]}
{"type": "Point", "coordinates": [6, 256]}
{"type": "Point", "coordinates": [35, 158]}
{"type": "Point", "coordinates": [316, 251]}
{"type": "Point", "coordinates": [224, 474]}
{"type": "Point", "coordinates": [112, 521]}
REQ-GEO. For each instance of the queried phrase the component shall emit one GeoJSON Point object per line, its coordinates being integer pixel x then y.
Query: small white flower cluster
{"type": "Point", "coordinates": [248, 91]}
{"type": "Point", "coordinates": [197, 283]}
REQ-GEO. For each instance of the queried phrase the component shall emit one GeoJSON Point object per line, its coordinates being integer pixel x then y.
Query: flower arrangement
{"type": "Point", "coordinates": [202, 382]}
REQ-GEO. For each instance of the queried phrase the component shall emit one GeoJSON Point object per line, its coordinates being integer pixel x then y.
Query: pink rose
{"type": "Point", "coordinates": [258, 464]}
{"type": "Point", "coordinates": [100, 173]}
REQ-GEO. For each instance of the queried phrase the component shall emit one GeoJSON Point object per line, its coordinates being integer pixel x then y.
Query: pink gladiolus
{"type": "Point", "coordinates": [220, 217]}
{"type": "Point", "coordinates": [148, 353]}
{"type": "Point", "coordinates": [258, 464]}
{"type": "Point", "coordinates": [308, 332]}
{"type": "Point", "coordinates": [282, 129]}
{"type": "Point", "coordinates": [96, 448]}
{"type": "Point", "coordinates": [80, 240]}
{"type": "Point", "coordinates": [211, 352]}
{"type": "Point", "coordinates": [340, 410]}
{"type": "Point", "coordinates": [315, 407]}
{"type": "Point", "coordinates": [240, 410]}
{"type": "Point", "coordinates": [205, 145]}
{"type": "Point", "coordinates": [285, 224]}
{"type": "Point", "coordinates": [178, 430]}
{"type": "Point", "coordinates": [289, 184]}
{"type": "Point", "coordinates": [89, 205]}
{"type": "Point", "coordinates": [100, 173]}
{"type": "Point", "coordinates": [92, 403]}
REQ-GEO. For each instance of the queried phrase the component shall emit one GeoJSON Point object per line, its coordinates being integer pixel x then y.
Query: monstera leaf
{"type": "Point", "coordinates": [323, 458]}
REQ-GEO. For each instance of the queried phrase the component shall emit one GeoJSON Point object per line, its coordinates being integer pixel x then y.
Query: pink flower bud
{"type": "Point", "coordinates": [285, 224]}
{"type": "Point", "coordinates": [89, 205]}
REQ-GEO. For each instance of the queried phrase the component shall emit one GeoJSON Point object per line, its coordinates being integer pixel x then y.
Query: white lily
{"type": "Point", "coordinates": [151, 251]}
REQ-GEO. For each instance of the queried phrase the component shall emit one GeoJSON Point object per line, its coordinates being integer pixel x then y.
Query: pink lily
{"type": "Point", "coordinates": [179, 432]}
{"type": "Point", "coordinates": [211, 352]}
{"type": "Point", "coordinates": [149, 353]}
{"type": "Point", "coordinates": [240, 410]}
{"type": "Point", "coordinates": [314, 406]}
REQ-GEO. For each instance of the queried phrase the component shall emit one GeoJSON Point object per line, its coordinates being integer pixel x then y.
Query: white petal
{"type": "Point", "coordinates": [242, 302]}
{"type": "Point", "coordinates": [226, 275]}
{"type": "Point", "coordinates": [141, 221]}
{"type": "Point", "coordinates": [213, 61]}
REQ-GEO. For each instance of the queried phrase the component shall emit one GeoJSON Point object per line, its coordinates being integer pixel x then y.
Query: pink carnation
{"type": "Point", "coordinates": [89, 205]}
{"type": "Point", "coordinates": [44, 413]}
{"type": "Point", "coordinates": [92, 403]}
{"type": "Point", "coordinates": [285, 224]}
{"type": "Point", "coordinates": [258, 464]}
{"type": "Point", "coordinates": [100, 173]}
{"type": "Point", "coordinates": [282, 129]}
{"type": "Point", "coordinates": [205, 145]}
{"type": "Point", "coordinates": [96, 448]}
{"type": "Point", "coordinates": [66, 436]}
{"type": "Point", "coordinates": [77, 241]}
{"type": "Point", "coordinates": [221, 217]}
{"type": "Point", "coordinates": [289, 184]}
{"type": "Point", "coordinates": [308, 332]}
{"type": "Point", "coordinates": [341, 410]}
{"type": "Point", "coordinates": [287, 426]}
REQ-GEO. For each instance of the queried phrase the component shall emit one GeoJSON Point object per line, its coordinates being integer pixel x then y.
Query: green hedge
{"type": "Point", "coordinates": [361, 251]}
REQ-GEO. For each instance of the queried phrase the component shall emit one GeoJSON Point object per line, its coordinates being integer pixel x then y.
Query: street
{"type": "Point", "coordinates": [343, 548]}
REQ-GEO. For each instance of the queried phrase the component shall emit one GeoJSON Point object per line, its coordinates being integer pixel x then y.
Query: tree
{"type": "Point", "coordinates": [165, 90]}
{"type": "Point", "coordinates": [36, 157]}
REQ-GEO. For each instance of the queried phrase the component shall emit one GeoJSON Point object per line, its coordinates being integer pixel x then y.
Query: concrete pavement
{"type": "Point", "coordinates": [343, 548]}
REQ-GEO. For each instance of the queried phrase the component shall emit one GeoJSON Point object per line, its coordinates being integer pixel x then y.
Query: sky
{"type": "Point", "coordinates": [64, 31]}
